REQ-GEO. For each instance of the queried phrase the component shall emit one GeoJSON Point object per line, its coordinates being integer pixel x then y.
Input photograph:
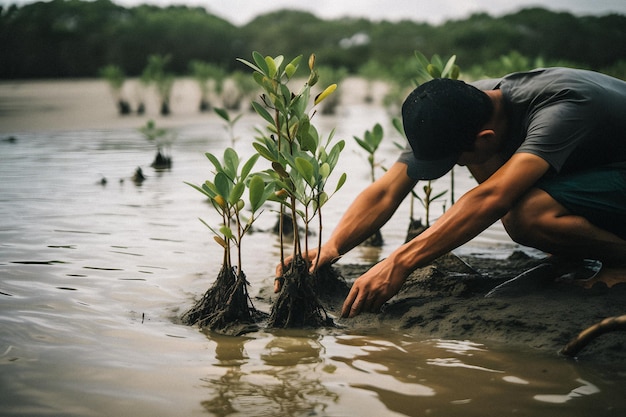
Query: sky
{"type": "Point", "coordinates": [240, 12]}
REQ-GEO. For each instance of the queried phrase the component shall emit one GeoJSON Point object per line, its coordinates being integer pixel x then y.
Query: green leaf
{"type": "Point", "coordinates": [324, 170]}
{"type": "Point", "coordinates": [222, 184]}
{"type": "Point", "coordinates": [278, 60]}
{"type": "Point", "coordinates": [216, 162]}
{"type": "Point", "coordinates": [247, 167]}
{"type": "Point", "coordinates": [259, 60]}
{"type": "Point", "coordinates": [210, 189]}
{"type": "Point", "coordinates": [448, 68]}
{"type": "Point", "coordinates": [397, 123]}
{"type": "Point", "coordinates": [296, 61]}
{"type": "Point", "coordinates": [231, 162]}
{"type": "Point", "coordinates": [438, 195]}
{"type": "Point", "coordinates": [363, 144]}
{"type": "Point", "coordinates": [251, 65]}
{"type": "Point", "coordinates": [437, 62]}
{"type": "Point", "coordinates": [261, 111]}
{"type": "Point", "coordinates": [422, 59]}
{"type": "Point", "coordinates": [280, 170]}
{"type": "Point", "coordinates": [202, 190]}
{"type": "Point", "coordinates": [222, 113]}
{"type": "Point", "coordinates": [377, 135]}
{"type": "Point", "coordinates": [226, 231]}
{"type": "Point", "coordinates": [259, 78]}
{"type": "Point", "coordinates": [236, 193]}
{"type": "Point", "coordinates": [341, 182]}
{"type": "Point", "coordinates": [264, 152]}
{"type": "Point", "coordinates": [256, 187]}
{"type": "Point", "coordinates": [271, 65]}
{"type": "Point", "coordinates": [305, 168]}
{"type": "Point", "coordinates": [290, 69]}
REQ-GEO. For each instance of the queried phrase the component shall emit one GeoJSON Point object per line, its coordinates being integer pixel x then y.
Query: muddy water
{"type": "Point", "coordinates": [93, 277]}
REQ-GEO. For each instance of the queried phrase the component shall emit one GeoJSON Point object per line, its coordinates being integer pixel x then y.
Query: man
{"type": "Point", "coordinates": [548, 149]}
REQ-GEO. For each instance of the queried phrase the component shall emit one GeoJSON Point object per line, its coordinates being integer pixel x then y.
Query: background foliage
{"type": "Point", "coordinates": [73, 38]}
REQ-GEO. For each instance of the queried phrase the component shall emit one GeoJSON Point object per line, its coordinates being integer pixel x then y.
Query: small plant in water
{"type": "Point", "coordinates": [230, 123]}
{"type": "Point", "coordinates": [301, 167]}
{"type": "Point", "coordinates": [114, 75]}
{"type": "Point", "coordinates": [163, 139]}
{"type": "Point", "coordinates": [163, 81]}
{"type": "Point", "coordinates": [226, 307]}
{"type": "Point", "coordinates": [370, 142]}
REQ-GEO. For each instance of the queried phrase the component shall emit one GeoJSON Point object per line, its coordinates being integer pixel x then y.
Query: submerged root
{"type": "Point", "coordinates": [225, 307]}
{"type": "Point", "coordinates": [298, 305]}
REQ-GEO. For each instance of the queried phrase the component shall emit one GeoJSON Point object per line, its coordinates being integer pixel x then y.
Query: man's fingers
{"type": "Point", "coordinates": [348, 303]}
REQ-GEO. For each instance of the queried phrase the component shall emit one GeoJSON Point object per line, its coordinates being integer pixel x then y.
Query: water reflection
{"type": "Point", "coordinates": [291, 373]}
{"type": "Point", "coordinates": [285, 386]}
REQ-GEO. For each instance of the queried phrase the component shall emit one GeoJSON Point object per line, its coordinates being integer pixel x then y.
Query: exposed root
{"type": "Point", "coordinates": [225, 307]}
{"type": "Point", "coordinates": [607, 325]}
{"type": "Point", "coordinates": [298, 305]}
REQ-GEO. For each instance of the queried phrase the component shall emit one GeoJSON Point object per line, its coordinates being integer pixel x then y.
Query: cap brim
{"type": "Point", "coordinates": [431, 170]}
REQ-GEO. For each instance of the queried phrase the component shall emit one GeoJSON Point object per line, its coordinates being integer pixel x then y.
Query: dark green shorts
{"type": "Point", "coordinates": [598, 194]}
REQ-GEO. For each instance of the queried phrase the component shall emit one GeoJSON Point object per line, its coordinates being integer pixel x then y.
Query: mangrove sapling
{"type": "Point", "coordinates": [415, 224]}
{"type": "Point", "coordinates": [201, 72]}
{"type": "Point", "coordinates": [226, 306]}
{"type": "Point", "coordinates": [116, 79]}
{"type": "Point", "coordinates": [163, 139]}
{"type": "Point", "coordinates": [163, 81]}
{"type": "Point", "coordinates": [230, 123]}
{"type": "Point", "coordinates": [301, 166]}
{"type": "Point", "coordinates": [370, 142]}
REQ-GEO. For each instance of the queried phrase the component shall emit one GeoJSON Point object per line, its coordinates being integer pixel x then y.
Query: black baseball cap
{"type": "Point", "coordinates": [441, 119]}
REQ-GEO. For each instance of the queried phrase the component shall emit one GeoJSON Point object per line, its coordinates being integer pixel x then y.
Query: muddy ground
{"type": "Point", "coordinates": [448, 299]}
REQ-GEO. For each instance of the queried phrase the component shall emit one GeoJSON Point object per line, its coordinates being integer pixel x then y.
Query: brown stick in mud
{"type": "Point", "coordinates": [607, 325]}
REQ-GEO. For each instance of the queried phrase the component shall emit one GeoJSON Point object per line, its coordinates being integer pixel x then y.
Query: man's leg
{"type": "Point", "coordinates": [539, 221]}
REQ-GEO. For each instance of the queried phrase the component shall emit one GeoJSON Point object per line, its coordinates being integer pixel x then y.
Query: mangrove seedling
{"type": "Point", "coordinates": [230, 123]}
{"type": "Point", "coordinates": [226, 307]}
{"type": "Point", "coordinates": [163, 139]}
{"type": "Point", "coordinates": [415, 224]}
{"type": "Point", "coordinates": [201, 72]}
{"type": "Point", "coordinates": [301, 164]}
{"type": "Point", "coordinates": [115, 78]}
{"type": "Point", "coordinates": [163, 81]}
{"type": "Point", "coordinates": [370, 142]}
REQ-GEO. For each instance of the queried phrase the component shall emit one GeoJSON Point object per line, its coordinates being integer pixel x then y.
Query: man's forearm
{"type": "Point", "coordinates": [473, 213]}
{"type": "Point", "coordinates": [371, 209]}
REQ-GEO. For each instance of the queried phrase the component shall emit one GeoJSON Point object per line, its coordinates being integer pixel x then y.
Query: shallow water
{"type": "Point", "coordinates": [93, 278]}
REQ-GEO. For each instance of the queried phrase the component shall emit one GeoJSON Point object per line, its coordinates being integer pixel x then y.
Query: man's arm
{"type": "Point", "coordinates": [371, 209]}
{"type": "Point", "coordinates": [472, 213]}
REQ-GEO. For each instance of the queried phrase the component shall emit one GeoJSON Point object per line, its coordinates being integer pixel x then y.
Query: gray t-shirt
{"type": "Point", "coordinates": [573, 119]}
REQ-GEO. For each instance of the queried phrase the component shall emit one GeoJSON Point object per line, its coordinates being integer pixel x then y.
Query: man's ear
{"type": "Point", "coordinates": [485, 139]}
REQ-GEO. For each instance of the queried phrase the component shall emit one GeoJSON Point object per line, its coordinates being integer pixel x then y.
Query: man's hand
{"type": "Point", "coordinates": [328, 255]}
{"type": "Point", "coordinates": [372, 289]}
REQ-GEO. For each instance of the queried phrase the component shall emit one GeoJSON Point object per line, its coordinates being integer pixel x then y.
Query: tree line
{"type": "Point", "coordinates": [74, 38]}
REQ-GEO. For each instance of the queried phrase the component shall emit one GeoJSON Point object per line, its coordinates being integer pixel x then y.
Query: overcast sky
{"type": "Point", "coordinates": [432, 11]}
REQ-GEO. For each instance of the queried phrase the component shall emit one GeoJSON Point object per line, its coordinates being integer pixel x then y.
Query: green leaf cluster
{"type": "Point", "coordinates": [436, 68]}
{"type": "Point", "coordinates": [226, 192]}
{"type": "Point", "coordinates": [301, 161]}
{"type": "Point", "coordinates": [370, 142]}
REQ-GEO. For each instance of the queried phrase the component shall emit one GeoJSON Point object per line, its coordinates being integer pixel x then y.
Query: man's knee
{"type": "Point", "coordinates": [529, 220]}
{"type": "Point", "coordinates": [520, 227]}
